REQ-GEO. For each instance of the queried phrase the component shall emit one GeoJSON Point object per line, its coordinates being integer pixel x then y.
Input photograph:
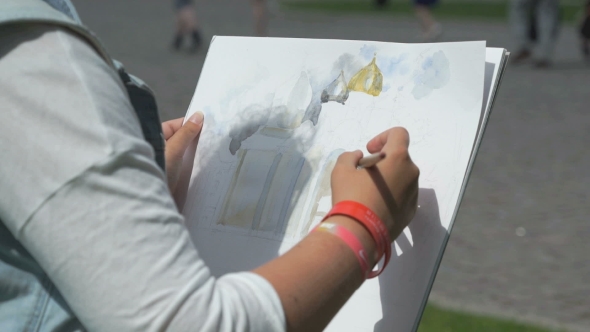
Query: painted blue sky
{"type": "Point", "coordinates": [389, 66]}
{"type": "Point", "coordinates": [434, 73]}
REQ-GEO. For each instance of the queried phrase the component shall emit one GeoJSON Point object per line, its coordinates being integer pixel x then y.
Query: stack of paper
{"type": "Point", "coordinates": [279, 112]}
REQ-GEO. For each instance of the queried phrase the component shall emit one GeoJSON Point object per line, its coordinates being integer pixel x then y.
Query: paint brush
{"type": "Point", "coordinates": [371, 160]}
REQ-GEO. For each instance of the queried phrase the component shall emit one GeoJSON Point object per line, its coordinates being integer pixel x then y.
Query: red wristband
{"type": "Point", "coordinates": [372, 224]}
{"type": "Point", "coordinates": [351, 240]}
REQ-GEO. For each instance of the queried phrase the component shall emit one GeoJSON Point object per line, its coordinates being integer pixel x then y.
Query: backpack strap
{"type": "Point", "coordinates": [144, 104]}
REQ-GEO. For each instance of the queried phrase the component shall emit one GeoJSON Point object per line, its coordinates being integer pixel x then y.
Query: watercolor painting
{"type": "Point", "coordinates": [271, 165]}
{"type": "Point", "coordinates": [260, 195]}
{"type": "Point", "coordinates": [276, 124]}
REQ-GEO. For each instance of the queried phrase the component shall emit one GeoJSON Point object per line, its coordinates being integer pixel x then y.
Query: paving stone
{"type": "Point", "coordinates": [532, 171]}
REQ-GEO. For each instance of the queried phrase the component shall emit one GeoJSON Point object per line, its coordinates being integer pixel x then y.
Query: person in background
{"type": "Point", "coordinates": [545, 15]}
{"type": "Point", "coordinates": [585, 32]}
{"type": "Point", "coordinates": [186, 26]}
{"type": "Point", "coordinates": [260, 13]}
{"type": "Point", "coordinates": [431, 29]}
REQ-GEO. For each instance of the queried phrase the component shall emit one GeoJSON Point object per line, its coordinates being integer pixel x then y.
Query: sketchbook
{"type": "Point", "coordinates": [279, 111]}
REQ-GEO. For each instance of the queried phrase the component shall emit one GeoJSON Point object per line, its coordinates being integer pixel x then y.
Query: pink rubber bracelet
{"type": "Point", "coordinates": [372, 224]}
{"type": "Point", "coordinates": [351, 240]}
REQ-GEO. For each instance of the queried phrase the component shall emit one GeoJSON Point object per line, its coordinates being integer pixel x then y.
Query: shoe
{"type": "Point", "coordinates": [380, 3]}
{"type": "Point", "coordinates": [586, 50]}
{"type": "Point", "coordinates": [521, 56]}
{"type": "Point", "coordinates": [542, 64]}
{"type": "Point", "coordinates": [177, 42]}
{"type": "Point", "coordinates": [197, 40]}
{"type": "Point", "coordinates": [433, 34]}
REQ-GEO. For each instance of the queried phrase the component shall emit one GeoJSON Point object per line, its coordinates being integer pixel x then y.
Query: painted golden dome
{"type": "Point", "coordinates": [368, 80]}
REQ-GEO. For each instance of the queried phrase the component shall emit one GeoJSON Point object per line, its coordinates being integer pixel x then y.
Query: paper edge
{"type": "Point", "coordinates": [479, 138]}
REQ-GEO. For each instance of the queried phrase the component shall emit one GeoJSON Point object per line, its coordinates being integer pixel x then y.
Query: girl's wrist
{"type": "Point", "coordinates": [361, 233]}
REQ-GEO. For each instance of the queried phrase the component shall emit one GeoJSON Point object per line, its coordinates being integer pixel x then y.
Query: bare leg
{"type": "Point", "coordinates": [431, 30]}
{"type": "Point", "coordinates": [260, 17]}
{"type": "Point", "coordinates": [425, 17]}
{"type": "Point", "coordinates": [186, 19]}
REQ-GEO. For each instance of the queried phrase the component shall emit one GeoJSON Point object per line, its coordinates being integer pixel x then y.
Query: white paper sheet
{"type": "Point", "coordinates": [278, 113]}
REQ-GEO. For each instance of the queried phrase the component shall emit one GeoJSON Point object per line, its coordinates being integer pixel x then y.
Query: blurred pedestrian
{"type": "Point", "coordinates": [585, 32]}
{"type": "Point", "coordinates": [260, 13]}
{"type": "Point", "coordinates": [544, 16]}
{"type": "Point", "coordinates": [431, 29]}
{"type": "Point", "coordinates": [186, 26]}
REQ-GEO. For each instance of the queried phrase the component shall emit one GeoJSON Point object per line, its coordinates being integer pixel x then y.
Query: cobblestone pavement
{"type": "Point", "coordinates": [532, 172]}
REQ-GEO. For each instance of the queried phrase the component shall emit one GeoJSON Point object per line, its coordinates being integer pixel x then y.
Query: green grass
{"type": "Point", "coordinates": [456, 9]}
{"type": "Point", "coordinates": [441, 320]}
